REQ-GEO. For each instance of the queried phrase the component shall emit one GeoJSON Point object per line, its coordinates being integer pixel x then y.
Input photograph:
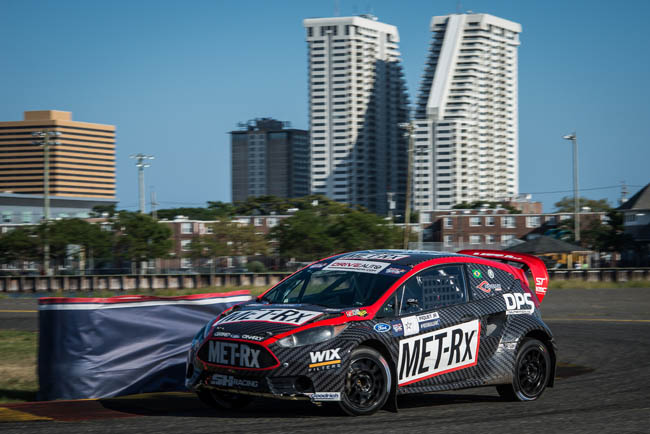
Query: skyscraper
{"type": "Point", "coordinates": [357, 98]}
{"type": "Point", "coordinates": [269, 159]}
{"type": "Point", "coordinates": [81, 165]}
{"type": "Point", "coordinates": [466, 114]}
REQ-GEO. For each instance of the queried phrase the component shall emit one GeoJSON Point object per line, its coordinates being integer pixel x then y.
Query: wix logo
{"type": "Point", "coordinates": [326, 359]}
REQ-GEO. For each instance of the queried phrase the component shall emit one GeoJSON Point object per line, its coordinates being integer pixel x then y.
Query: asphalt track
{"type": "Point", "coordinates": [602, 386]}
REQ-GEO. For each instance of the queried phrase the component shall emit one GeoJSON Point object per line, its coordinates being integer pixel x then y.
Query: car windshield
{"type": "Point", "coordinates": [331, 288]}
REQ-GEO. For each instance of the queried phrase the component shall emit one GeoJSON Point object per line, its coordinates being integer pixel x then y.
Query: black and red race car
{"type": "Point", "coordinates": [361, 328]}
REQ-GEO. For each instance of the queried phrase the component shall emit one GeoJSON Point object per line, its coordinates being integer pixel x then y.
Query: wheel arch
{"type": "Point", "coordinates": [547, 340]}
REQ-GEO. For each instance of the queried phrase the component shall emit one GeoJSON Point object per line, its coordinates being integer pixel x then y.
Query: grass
{"type": "Point", "coordinates": [18, 376]}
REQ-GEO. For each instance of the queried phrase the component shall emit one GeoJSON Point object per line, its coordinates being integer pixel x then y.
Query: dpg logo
{"type": "Point", "coordinates": [518, 303]}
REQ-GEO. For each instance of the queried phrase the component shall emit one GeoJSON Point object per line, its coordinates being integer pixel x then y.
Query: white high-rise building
{"type": "Point", "coordinates": [357, 99]}
{"type": "Point", "coordinates": [466, 114]}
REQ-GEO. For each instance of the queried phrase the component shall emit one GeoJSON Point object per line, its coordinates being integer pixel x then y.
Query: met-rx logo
{"type": "Point", "coordinates": [438, 352]}
{"type": "Point", "coordinates": [518, 303]}
{"type": "Point", "coordinates": [233, 354]}
{"type": "Point", "coordinates": [326, 359]}
{"type": "Point", "coordinates": [284, 316]}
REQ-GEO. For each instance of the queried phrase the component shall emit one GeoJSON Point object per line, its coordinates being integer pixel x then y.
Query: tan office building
{"type": "Point", "coordinates": [82, 164]}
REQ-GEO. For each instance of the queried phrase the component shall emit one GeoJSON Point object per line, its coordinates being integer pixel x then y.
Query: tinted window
{"type": "Point", "coordinates": [434, 288]}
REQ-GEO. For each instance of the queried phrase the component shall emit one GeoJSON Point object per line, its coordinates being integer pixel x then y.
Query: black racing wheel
{"type": "Point", "coordinates": [367, 383]}
{"type": "Point", "coordinates": [531, 373]}
{"type": "Point", "coordinates": [223, 400]}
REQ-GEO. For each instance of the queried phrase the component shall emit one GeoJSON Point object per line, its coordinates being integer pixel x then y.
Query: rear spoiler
{"type": "Point", "coordinates": [533, 263]}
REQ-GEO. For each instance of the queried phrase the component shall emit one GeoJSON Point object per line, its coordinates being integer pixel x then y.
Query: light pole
{"type": "Point", "coordinates": [45, 142]}
{"type": "Point", "coordinates": [576, 200]}
{"type": "Point", "coordinates": [141, 163]}
{"type": "Point", "coordinates": [410, 130]}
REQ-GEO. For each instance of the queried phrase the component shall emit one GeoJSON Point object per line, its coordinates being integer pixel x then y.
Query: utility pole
{"type": "Point", "coordinates": [141, 164]}
{"type": "Point", "coordinates": [576, 199]}
{"type": "Point", "coordinates": [391, 205]}
{"type": "Point", "coordinates": [410, 132]}
{"type": "Point", "coordinates": [46, 142]}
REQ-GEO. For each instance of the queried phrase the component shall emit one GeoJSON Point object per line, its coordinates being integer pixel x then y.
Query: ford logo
{"type": "Point", "coordinates": [381, 327]}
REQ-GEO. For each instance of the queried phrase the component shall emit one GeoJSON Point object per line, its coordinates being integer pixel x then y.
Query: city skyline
{"type": "Point", "coordinates": [156, 70]}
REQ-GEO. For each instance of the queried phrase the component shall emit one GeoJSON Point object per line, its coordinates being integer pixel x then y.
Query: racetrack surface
{"type": "Point", "coordinates": [603, 381]}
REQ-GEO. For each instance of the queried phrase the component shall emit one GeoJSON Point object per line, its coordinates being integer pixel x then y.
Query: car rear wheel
{"type": "Point", "coordinates": [223, 400]}
{"type": "Point", "coordinates": [531, 373]}
{"type": "Point", "coordinates": [367, 383]}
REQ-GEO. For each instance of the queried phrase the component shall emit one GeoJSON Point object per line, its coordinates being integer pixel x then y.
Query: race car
{"type": "Point", "coordinates": [362, 328]}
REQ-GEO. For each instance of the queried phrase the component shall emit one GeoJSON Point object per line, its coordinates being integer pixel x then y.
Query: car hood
{"type": "Point", "coordinates": [257, 322]}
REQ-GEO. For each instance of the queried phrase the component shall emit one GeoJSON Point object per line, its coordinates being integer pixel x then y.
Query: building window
{"type": "Point", "coordinates": [508, 222]}
{"type": "Point", "coordinates": [533, 221]}
{"type": "Point", "coordinates": [259, 221]}
{"type": "Point", "coordinates": [475, 221]}
{"type": "Point", "coordinates": [186, 263]}
{"type": "Point", "coordinates": [505, 239]}
{"type": "Point", "coordinates": [449, 224]}
{"type": "Point", "coordinates": [272, 221]}
{"type": "Point", "coordinates": [449, 240]}
{"type": "Point", "coordinates": [489, 221]}
{"type": "Point", "coordinates": [27, 217]}
{"type": "Point", "coordinates": [186, 228]}
{"type": "Point", "coordinates": [490, 239]}
{"type": "Point", "coordinates": [475, 239]}
{"type": "Point", "coordinates": [7, 216]}
{"type": "Point", "coordinates": [186, 245]}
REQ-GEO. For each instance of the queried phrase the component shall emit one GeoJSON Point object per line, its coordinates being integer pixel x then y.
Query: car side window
{"type": "Point", "coordinates": [434, 288]}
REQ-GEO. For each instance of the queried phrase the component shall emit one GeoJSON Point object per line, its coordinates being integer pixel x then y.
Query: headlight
{"type": "Point", "coordinates": [312, 336]}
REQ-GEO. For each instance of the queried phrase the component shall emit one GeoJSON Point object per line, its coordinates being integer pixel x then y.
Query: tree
{"type": "Point", "coordinates": [63, 233]}
{"type": "Point", "coordinates": [477, 204]}
{"type": "Point", "coordinates": [103, 211]}
{"type": "Point", "coordinates": [140, 237]}
{"type": "Point", "coordinates": [566, 204]}
{"type": "Point", "coordinates": [19, 245]}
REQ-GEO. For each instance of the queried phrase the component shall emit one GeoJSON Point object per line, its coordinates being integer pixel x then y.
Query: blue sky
{"type": "Point", "coordinates": [176, 76]}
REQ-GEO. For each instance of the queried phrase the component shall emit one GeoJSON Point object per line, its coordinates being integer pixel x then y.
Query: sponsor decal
{"type": "Point", "coordinates": [428, 320]}
{"type": "Point", "coordinates": [230, 381]}
{"type": "Point", "coordinates": [381, 327]}
{"type": "Point", "coordinates": [252, 338]}
{"type": "Point", "coordinates": [477, 274]}
{"type": "Point", "coordinates": [319, 265]}
{"type": "Point", "coordinates": [506, 346]}
{"type": "Point", "coordinates": [488, 287]}
{"type": "Point", "coordinates": [326, 396]}
{"type": "Point", "coordinates": [355, 265]}
{"type": "Point", "coordinates": [324, 360]}
{"type": "Point", "coordinates": [283, 316]}
{"type": "Point", "coordinates": [518, 303]}
{"type": "Point", "coordinates": [398, 328]}
{"type": "Point", "coordinates": [540, 285]}
{"type": "Point", "coordinates": [224, 335]}
{"type": "Point", "coordinates": [356, 312]}
{"type": "Point", "coordinates": [490, 273]}
{"type": "Point", "coordinates": [393, 270]}
{"type": "Point", "coordinates": [233, 354]}
{"type": "Point", "coordinates": [411, 325]}
{"type": "Point", "coordinates": [382, 256]}
{"type": "Point", "coordinates": [438, 352]}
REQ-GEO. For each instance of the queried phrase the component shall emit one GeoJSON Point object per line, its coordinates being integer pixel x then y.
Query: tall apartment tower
{"type": "Point", "coordinates": [82, 164]}
{"type": "Point", "coordinates": [357, 99]}
{"type": "Point", "coordinates": [268, 158]}
{"type": "Point", "coordinates": [466, 113]}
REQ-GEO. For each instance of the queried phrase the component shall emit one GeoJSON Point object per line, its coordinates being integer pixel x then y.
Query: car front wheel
{"type": "Point", "coordinates": [531, 373]}
{"type": "Point", "coordinates": [367, 383]}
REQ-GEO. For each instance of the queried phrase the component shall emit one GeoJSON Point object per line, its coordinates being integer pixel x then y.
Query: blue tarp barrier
{"type": "Point", "coordinates": [104, 347]}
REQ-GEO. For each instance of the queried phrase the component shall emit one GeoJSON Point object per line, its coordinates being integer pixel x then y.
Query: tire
{"type": "Point", "coordinates": [531, 373]}
{"type": "Point", "coordinates": [223, 400]}
{"type": "Point", "coordinates": [368, 383]}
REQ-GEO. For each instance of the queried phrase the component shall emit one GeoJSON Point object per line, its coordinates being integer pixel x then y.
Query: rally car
{"type": "Point", "coordinates": [361, 328]}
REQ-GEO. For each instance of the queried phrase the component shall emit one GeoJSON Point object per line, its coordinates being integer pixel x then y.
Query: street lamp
{"type": "Point", "coordinates": [410, 132]}
{"type": "Point", "coordinates": [576, 205]}
{"type": "Point", "coordinates": [45, 137]}
{"type": "Point", "coordinates": [141, 164]}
